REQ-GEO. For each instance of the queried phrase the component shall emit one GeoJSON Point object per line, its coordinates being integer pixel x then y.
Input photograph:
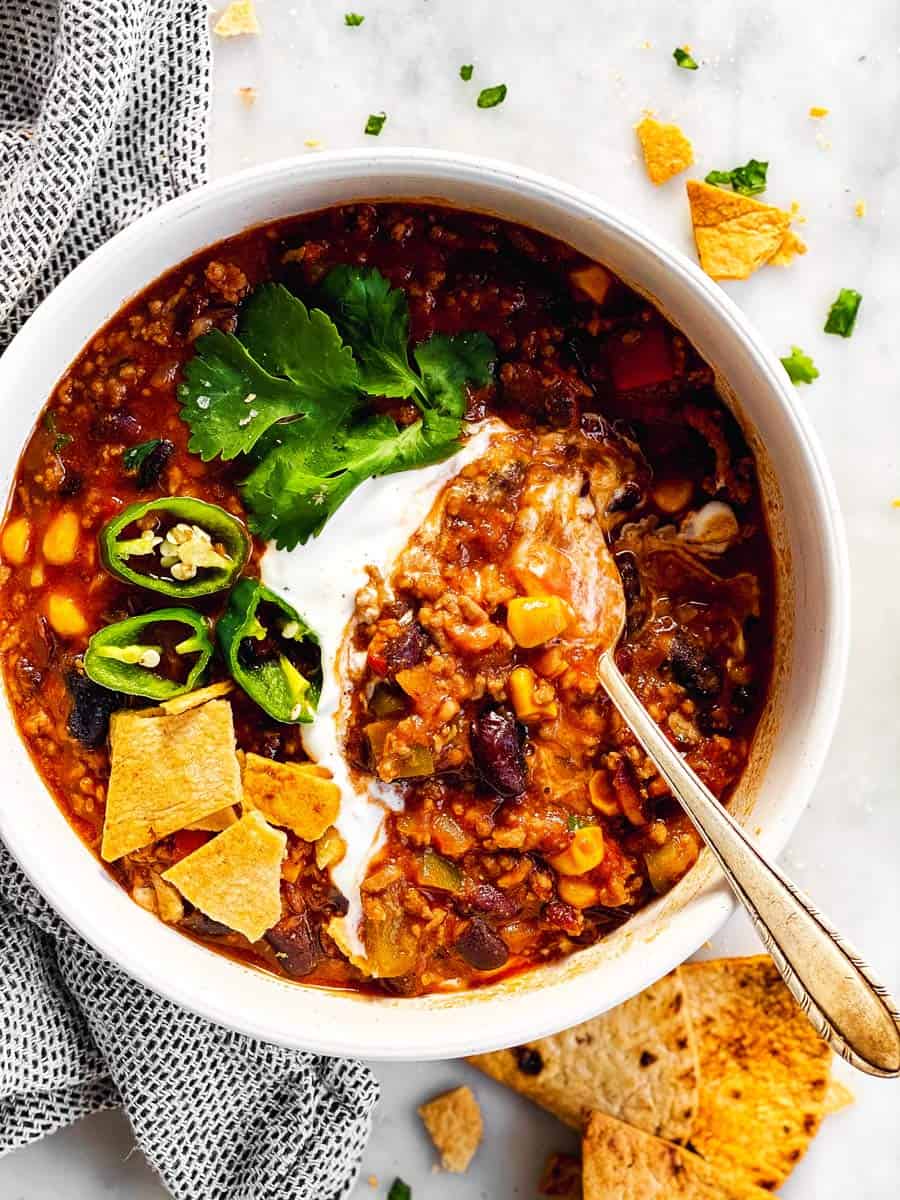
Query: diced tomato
{"type": "Point", "coordinates": [377, 662]}
{"type": "Point", "coordinates": [186, 841]}
{"type": "Point", "coordinates": [640, 357]}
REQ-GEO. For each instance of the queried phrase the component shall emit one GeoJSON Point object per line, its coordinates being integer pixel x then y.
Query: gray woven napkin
{"type": "Point", "coordinates": [103, 107]}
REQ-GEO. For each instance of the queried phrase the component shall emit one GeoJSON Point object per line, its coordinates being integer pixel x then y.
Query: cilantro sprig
{"type": "Point", "coordinates": [684, 59]}
{"type": "Point", "coordinates": [799, 366]}
{"type": "Point", "coordinates": [842, 314]}
{"type": "Point", "coordinates": [290, 392]}
{"type": "Point", "coordinates": [748, 180]}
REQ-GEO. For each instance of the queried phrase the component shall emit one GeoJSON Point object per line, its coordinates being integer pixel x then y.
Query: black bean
{"type": "Point", "coordinates": [154, 464]}
{"type": "Point", "coordinates": [92, 707]}
{"type": "Point", "coordinates": [481, 947]}
{"type": "Point", "coordinates": [296, 945]}
{"type": "Point", "coordinates": [497, 751]}
{"type": "Point", "coordinates": [694, 669]}
{"type": "Point", "coordinates": [116, 425]}
{"type": "Point", "coordinates": [528, 1060]}
{"type": "Point", "coordinates": [406, 649]}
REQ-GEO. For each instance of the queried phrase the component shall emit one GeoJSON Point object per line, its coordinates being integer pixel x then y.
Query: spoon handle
{"type": "Point", "coordinates": [834, 987]}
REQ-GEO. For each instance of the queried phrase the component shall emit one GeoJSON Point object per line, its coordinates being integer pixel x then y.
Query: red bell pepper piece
{"type": "Point", "coordinates": [640, 357]}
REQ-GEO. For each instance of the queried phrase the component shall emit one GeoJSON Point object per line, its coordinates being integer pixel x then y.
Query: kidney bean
{"type": "Point", "coordinates": [406, 649]}
{"type": "Point", "coordinates": [497, 751]}
{"type": "Point", "coordinates": [562, 916]}
{"type": "Point", "coordinates": [694, 669]}
{"type": "Point", "coordinates": [481, 947]}
{"type": "Point", "coordinates": [296, 945]}
{"type": "Point", "coordinates": [488, 899]}
{"type": "Point", "coordinates": [116, 425]}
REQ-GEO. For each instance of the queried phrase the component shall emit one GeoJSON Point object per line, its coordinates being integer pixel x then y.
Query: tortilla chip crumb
{"type": "Point", "coordinates": [895, 503]}
{"type": "Point", "coordinates": [735, 234]}
{"type": "Point", "coordinates": [816, 112]}
{"type": "Point", "coordinates": [312, 143]}
{"type": "Point", "coordinates": [454, 1124]}
{"type": "Point", "coordinates": [372, 1181]}
{"type": "Point", "coordinates": [837, 1097]}
{"type": "Point", "coordinates": [236, 877]}
{"type": "Point", "coordinates": [667, 150]}
{"type": "Point", "coordinates": [248, 95]}
{"type": "Point", "coordinates": [859, 208]}
{"type": "Point", "coordinates": [238, 18]}
{"type": "Point", "coordinates": [561, 1177]}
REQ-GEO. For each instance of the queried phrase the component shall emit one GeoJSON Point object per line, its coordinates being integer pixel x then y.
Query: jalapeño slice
{"type": "Point", "coordinates": [159, 654]}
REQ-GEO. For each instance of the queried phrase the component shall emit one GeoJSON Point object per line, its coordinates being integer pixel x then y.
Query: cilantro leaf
{"type": "Point", "coordinates": [748, 180]}
{"type": "Point", "coordinates": [284, 361]}
{"type": "Point", "coordinates": [305, 474]}
{"type": "Point", "coordinates": [374, 319]}
{"type": "Point", "coordinates": [465, 71]}
{"type": "Point", "coordinates": [842, 314]}
{"type": "Point", "coordinates": [799, 366]}
{"type": "Point", "coordinates": [353, 19]}
{"type": "Point", "coordinates": [683, 59]}
{"type": "Point", "coordinates": [399, 1191]}
{"type": "Point", "coordinates": [578, 821]}
{"type": "Point", "coordinates": [135, 455]}
{"type": "Point", "coordinates": [490, 97]}
{"type": "Point", "coordinates": [375, 123]}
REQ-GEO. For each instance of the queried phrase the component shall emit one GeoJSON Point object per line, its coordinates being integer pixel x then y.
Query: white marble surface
{"type": "Point", "coordinates": [579, 73]}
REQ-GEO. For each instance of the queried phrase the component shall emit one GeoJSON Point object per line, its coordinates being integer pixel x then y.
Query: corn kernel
{"type": "Point", "coordinates": [533, 620]}
{"type": "Point", "coordinates": [37, 577]}
{"type": "Point", "coordinates": [583, 853]}
{"type": "Point", "coordinates": [16, 541]}
{"type": "Point", "coordinates": [672, 495]}
{"type": "Point", "coordinates": [521, 693]}
{"type": "Point", "coordinates": [602, 796]}
{"type": "Point", "coordinates": [60, 543]}
{"type": "Point", "coordinates": [578, 892]}
{"type": "Point", "coordinates": [65, 616]}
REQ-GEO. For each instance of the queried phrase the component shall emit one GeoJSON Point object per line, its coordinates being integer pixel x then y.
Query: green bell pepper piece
{"type": "Point", "coordinates": [265, 670]}
{"type": "Point", "coordinates": [196, 549]}
{"type": "Point", "coordinates": [125, 656]}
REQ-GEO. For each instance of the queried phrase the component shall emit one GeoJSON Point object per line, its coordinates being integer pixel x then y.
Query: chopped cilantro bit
{"type": "Point", "coordinates": [492, 96]}
{"type": "Point", "coordinates": [683, 59]}
{"type": "Point", "coordinates": [399, 1191]}
{"type": "Point", "coordinates": [61, 441]}
{"type": "Point", "coordinates": [465, 71]}
{"type": "Point", "coordinates": [132, 459]}
{"type": "Point", "coordinates": [289, 393]}
{"type": "Point", "coordinates": [577, 821]}
{"type": "Point", "coordinates": [375, 123]}
{"type": "Point", "coordinates": [749, 180]}
{"type": "Point", "coordinates": [353, 19]}
{"type": "Point", "coordinates": [799, 366]}
{"type": "Point", "coordinates": [842, 314]}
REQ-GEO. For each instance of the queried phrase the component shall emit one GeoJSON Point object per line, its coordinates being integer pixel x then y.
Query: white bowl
{"type": "Point", "coordinates": [811, 650]}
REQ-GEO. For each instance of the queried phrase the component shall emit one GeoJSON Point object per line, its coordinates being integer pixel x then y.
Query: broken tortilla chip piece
{"type": "Point", "coordinates": [667, 151]}
{"type": "Point", "coordinates": [791, 246]}
{"type": "Point", "coordinates": [213, 691]}
{"type": "Point", "coordinates": [623, 1163]}
{"type": "Point", "coordinates": [167, 771]}
{"type": "Point", "coordinates": [735, 234]}
{"type": "Point", "coordinates": [238, 18]}
{"type": "Point", "coordinates": [236, 877]}
{"type": "Point", "coordinates": [454, 1124]}
{"type": "Point", "coordinates": [637, 1062]}
{"type": "Point", "coordinates": [216, 821]}
{"type": "Point", "coordinates": [293, 795]}
{"type": "Point", "coordinates": [764, 1071]}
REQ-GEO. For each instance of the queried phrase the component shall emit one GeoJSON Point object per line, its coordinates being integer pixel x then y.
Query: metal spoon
{"type": "Point", "coordinates": [847, 1006]}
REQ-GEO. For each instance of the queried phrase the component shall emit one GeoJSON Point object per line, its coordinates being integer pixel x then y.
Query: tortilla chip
{"type": "Point", "coordinates": [239, 17]}
{"type": "Point", "coordinates": [561, 1177]}
{"type": "Point", "coordinates": [667, 151]}
{"type": "Point", "coordinates": [179, 704]}
{"type": "Point", "coordinates": [167, 771]}
{"type": "Point", "coordinates": [735, 234]}
{"type": "Point", "coordinates": [215, 822]}
{"type": "Point", "coordinates": [763, 1070]}
{"type": "Point", "coordinates": [791, 246]}
{"type": "Point", "coordinates": [837, 1096]}
{"type": "Point", "coordinates": [454, 1123]}
{"type": "Point", "coordinates": [622, 1163]}
{"type": "Point", "coordinates": [236, 877]}
{"type": "Point", "coordinates": [637, 1062]}
{"type": "Point", "coordinates": [294, 795]}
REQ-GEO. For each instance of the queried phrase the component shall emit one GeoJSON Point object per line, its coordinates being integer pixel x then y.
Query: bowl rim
{"type": "Point", "coordinates": [712, 907]}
